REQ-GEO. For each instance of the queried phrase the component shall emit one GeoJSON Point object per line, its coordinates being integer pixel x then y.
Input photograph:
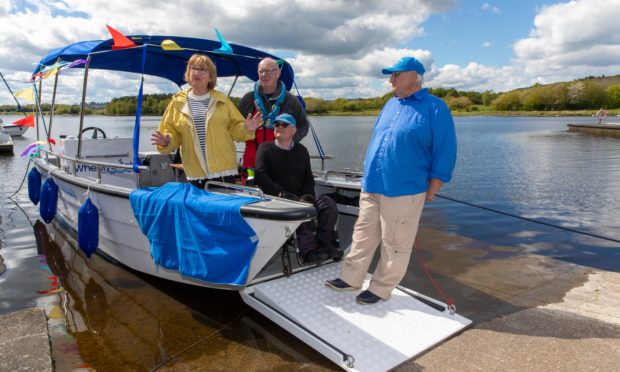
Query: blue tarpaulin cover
{"type": "Point", "coordinates": [198, 233]}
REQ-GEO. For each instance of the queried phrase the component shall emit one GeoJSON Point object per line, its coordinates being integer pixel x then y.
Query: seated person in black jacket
{"type": "Point", "coordinates": [283, 169]}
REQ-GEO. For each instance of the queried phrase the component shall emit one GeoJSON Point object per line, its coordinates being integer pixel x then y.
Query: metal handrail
{"type": "Point", "coordinates": [312, 156]}
{"type": "Point", "coordinates": [348, 175]}
{"type": "Point", "coordinates": [251, 190]}
{"type": "Point", "coordinates": [95, 163]}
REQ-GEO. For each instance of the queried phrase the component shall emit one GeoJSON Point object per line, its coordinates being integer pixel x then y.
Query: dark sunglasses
{"type": "Point", "coordinates": [280, 124]}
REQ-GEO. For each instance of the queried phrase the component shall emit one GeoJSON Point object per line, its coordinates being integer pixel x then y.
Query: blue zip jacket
{"type": "Point", "coordinates": [414, 140]}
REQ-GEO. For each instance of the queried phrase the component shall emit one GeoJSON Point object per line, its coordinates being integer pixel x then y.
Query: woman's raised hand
{"type": "Point", "coordinates": [158, 138]}
{"type": "Point", "coordinates": [253, 122]}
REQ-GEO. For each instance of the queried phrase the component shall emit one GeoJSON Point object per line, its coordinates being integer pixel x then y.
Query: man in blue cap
{"type": "Point", "coordinates": [411, 154]}
{"type": "Point", "coordinates": [283, 169]}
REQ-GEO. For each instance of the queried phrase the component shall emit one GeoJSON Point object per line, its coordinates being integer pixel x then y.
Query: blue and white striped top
{"type": "Point", "coordinates": [198, 107]}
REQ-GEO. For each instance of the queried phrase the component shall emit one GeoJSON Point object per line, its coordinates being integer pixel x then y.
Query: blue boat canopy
{"type": "Point", "coordinates": [168, 64]}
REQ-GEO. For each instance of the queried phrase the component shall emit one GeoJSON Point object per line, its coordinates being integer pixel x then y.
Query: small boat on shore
{"type": "Point", "coordinates": [6, 143]}
{"type": "Point", "coordinates": [112, 173]}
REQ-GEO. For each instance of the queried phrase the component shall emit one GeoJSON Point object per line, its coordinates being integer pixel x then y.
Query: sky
{"type": "Point", "coordinates": [336, 47]}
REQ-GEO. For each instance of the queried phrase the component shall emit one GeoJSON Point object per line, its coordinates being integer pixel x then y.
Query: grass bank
{"type": "Point", "coordinates": [484, 112]}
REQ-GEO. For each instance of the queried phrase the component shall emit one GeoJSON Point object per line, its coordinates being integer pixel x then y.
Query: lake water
{"type": "Point", "coordinates": [521, 186]}
{"type": "Point", "coordinates": [525, 166]}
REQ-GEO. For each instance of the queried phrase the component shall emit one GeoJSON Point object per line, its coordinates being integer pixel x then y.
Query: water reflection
{"type": "Point", "coordinates": [122, 320]}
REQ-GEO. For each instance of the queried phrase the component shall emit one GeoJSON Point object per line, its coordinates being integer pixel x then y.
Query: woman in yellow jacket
{"type": "Point", "coordinates": [204, 123]}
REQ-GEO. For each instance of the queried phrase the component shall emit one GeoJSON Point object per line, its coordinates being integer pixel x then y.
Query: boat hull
{"type": "Point", "coordinates": [121, 239]}
{"type": "Point", "coordinates": [14, 130]}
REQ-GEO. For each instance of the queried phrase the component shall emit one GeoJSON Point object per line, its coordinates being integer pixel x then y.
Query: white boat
{"type": "Point", "coordinates": [103, 166]}
{"type": "Point", "coordinates": [13, 130]}
{"type": "Point", "coordinates": [105, 170]}
{"type": "Point", "coordinates": [6, 143]}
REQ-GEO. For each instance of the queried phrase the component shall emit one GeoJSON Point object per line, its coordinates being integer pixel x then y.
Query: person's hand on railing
{"type": "Point", "coordinates": [308, 198]}
{"type": "Point", "coordinates": [288, 195]}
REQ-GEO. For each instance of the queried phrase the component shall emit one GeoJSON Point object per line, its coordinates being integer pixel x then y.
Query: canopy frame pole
{"type": "Point", "coordinates": [38, 104]}
{"type": "Point", "coordinates": [19, 107]}
{"type": "Point", "coordinates": [83, 106]}
{"type": "Point", "coordinates": [233, 85]}
{"type": "Point", "coordinates": [49, 130]}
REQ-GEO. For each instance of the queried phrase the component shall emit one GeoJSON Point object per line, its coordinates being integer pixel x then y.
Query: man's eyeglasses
{"type": "Point", "coordinates": [267, 72]}
{"type": "Point", "coordinates": [397, 74]}
{"type": "Point", "coordinates": [278, 124]}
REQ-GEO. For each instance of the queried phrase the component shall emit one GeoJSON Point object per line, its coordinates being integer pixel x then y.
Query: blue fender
{"type": "Point", "coordinates": [88, 227]}
{"type": "Point", "coordinates": [49, 200]}
{"type": "Point", "coordinates": [34, 186]}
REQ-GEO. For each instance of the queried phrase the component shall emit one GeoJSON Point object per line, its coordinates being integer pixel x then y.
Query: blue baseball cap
{"type": "Point", "coordinates": [287, 118]}
{"type": "Point", "coordinates": [406, 64]}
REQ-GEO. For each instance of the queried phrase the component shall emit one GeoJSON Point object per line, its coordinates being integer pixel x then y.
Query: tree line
{"type": "Point", "coordinates": [588, 93]}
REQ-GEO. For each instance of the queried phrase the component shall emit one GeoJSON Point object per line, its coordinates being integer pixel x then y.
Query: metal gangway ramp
{"type": "Point", "coordinates": [357, 337]}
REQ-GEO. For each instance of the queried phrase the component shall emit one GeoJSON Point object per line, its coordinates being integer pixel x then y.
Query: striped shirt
{"type": "Point", "coordinates": [198, 107]}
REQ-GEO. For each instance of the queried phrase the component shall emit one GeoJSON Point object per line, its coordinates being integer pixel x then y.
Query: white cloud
{"type": "Point", "coordinates": [338, 34]}
{"type": "Point", "coordinates": [350, 76]}
{"type": "Point", "coordinates": [573, 39]}
{"type": "Point", "coordinates": [569, 40]}
{"type": "Point", "coordinates": [487, 44]}
{"type": "Point", "coordinates": [478, 77]}
{"type": "Point", "coordinates": [490, 8]}
{"type": "Point", "coordinates": [337, 48]}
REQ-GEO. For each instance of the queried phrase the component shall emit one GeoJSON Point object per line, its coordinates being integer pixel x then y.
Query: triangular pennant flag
{"type": "Point", "coordinates": [120, 41]}
{"type": "Point", "coordinates": [47, 72]}
{"type": "Point", "coordinates": [77, 62]}
{"type": "Point", "coordinates": [225, 48]}
{"type": "Point", "coordinates": [56, 65]}
{"type": "Point", "coordinates": [170, 45]}
{"type": "Point", "coordinates": [28, 121]}
{"type": "Point", "coordinates": [26, 93]}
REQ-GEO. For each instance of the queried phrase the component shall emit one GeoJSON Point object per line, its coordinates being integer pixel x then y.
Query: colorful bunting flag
{"type": "Point", "coordinates": [225, 48]}
{"type": "Point", "coordinates": [51, 70]}
{"type": "Point", "coordinates": [76, 63]}
{"type": "Point", "coordinates": [26, 93]}
{"type": "Point", "coordinates": [170, 45]}
{"type": "Point", "coordinates": [120, 41]}
{"type": "Point", "coordinates": [28, 121]}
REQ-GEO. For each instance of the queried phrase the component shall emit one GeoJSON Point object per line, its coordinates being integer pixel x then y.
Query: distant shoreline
{"type": "Point", "coordinates": [567, 113]}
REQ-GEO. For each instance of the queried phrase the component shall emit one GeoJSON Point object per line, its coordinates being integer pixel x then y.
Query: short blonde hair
{"type": "Point", "coordinates": [202, 60]}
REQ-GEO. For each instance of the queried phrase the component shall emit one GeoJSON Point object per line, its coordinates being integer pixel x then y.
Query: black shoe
{"type": "Point", "coordinates": [339, 285]}
{"type": "Point", "coordinates": [315, 257]}
{"type": "Point", "coordinates": [335, 253]}
{"type": "Point", "coordinates": [367, 298]}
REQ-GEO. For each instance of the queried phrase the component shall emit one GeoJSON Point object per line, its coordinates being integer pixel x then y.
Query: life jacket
{"type": "Point", "coordinates": [262, 135]}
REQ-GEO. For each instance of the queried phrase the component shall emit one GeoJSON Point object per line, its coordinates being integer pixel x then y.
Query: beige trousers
{"type": "Point", "coordinates": [393, 222]}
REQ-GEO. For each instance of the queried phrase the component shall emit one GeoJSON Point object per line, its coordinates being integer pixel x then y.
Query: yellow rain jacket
{"type": "Point", "coordinates": [225, 125]}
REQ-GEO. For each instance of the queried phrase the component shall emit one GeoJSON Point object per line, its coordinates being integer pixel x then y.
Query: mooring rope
{"type": "Point", "coordinates": [531, 219]}
{"type": "Point", "coordinates": [23, 179]}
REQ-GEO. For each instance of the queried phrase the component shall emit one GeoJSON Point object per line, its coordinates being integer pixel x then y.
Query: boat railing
{"type": "Point", "coordinates": [348, 175]}
{"type": "Point", "coordinates": [246, 189]}
{"type": "Point", "coordinates": [99, 166]}
{"type": "Point", "coordinates": [325, 157]}
{"type": "Point", "coordinates": [312, 156]}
